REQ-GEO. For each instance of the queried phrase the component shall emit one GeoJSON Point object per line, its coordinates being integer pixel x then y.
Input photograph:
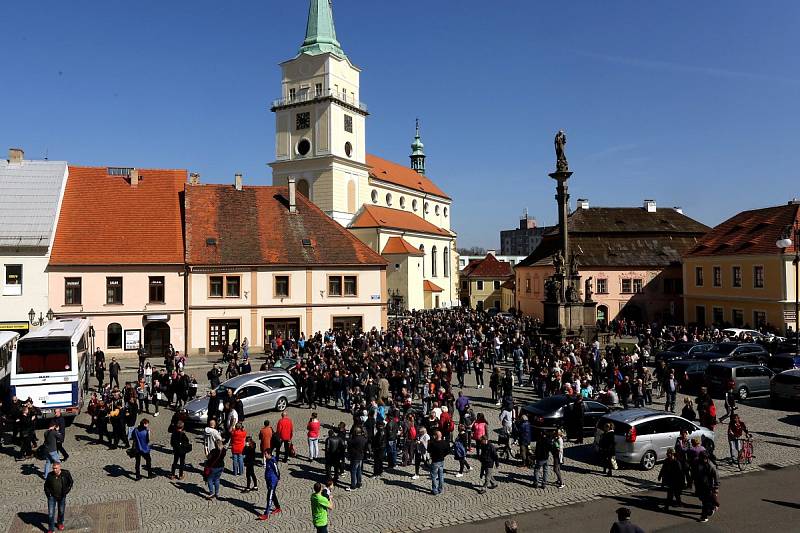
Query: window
{"type": "Point", "coordinates": [737, 276]}
{"type": "Point", "coordinates": [414, 204]}
{"type": "Point", "coordinates": [737, 317]}
{"type": "Point", "coordinates": [436, 210]}
{"type": "Point", "coordinates": [427, 207]}
{"type": "Point", "coordinates": [156, 289]}
{"type": "Point", "coordinates": [422, 249]}
{"type": "Point", "coordinates": [464, 284]}
{"type": "Point", "coordinates": [13, 281]}
{"type": "Point", "coordinates": [402, 202]}
{"type": "Point", "coordinates": [673, 286]}
{"type": "Point", "coordinates": [434, 273]}
{"type": "Point", "coordinates": [716, 273]}
{"type": "Point", "coordinates": [480, 284]}
{"type": "Point", "coordinates": [114, 291]}
{"type": "Point", "coordinates": [374, 196]}
{"type": "Point", "coordinates": [351, 286]}
{"type": "Point", "coordinates": [232, 285]}
{"type": "Point", "coordinates": [638, 286]}
{"type": "Point", "coordinates": [445, 212]}
{"type": "Point", "coordinates": [72, 291]}
{"type": "Point", "coordinates": [215, 286]}
{"type": "Point", "coordinates": [335, 286]}
{"type": "Point", "coordinates": [389, 199]}
{"type": "Point", "coordinates": [698, 276]}
{"type": "Point", "coordinates": [627, 286]}
{"type": "Point", "coordinates": [303, 121]}
{"type": "Point", "coordinates": [292, 94]}
{"type": "Point", "coordinates": [759, 319]}
{"type": "Point", "coordinates": [347, 323]}
{"type": "Point", "coordinates": [281, 286]}
{"type": "Point", "coordinates": [303, 147]}
{"type": "Point", "coordinates": [348, 124]}
{"type": "Point", "coordinates": [758, 277]}
{"type": "Point", "coordinates": [602, 286]}
{"type": "Point", "coordinates": [114, 336]}
{"type": "Point", "coordinates": [528, 285]}
{"type": "Point", "coordinates": [497, 285]}
{"type": "Point", "coordinates": [446, 255]}
{"type": "Point", "coordinates": [318, 89]}
{"type": "Point", "coordinates": [250, 391]}
{"type": "Point", "coordinates": [718, 315]}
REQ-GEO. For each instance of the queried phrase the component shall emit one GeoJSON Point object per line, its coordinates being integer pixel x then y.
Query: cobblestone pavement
{"type": "Point", "coordinates": [106, 498]}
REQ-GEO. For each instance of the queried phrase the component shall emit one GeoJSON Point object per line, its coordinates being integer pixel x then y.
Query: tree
{"type": "Point", "coordinates": [474, 250]}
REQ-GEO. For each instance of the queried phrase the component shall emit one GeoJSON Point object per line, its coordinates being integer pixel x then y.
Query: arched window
{"type": "Point", "coordinates": [302, 187]}
{"type": "Point", "coordinates": [422, 249]}
{"type": "Point", "coordinates": [433, 262]}
{"type": "Point", "coordinates": [446, 257]}
{"type": "Point", "coordinates": [114, 336]}
{"type": "Point", "coordinates": [351, 196]}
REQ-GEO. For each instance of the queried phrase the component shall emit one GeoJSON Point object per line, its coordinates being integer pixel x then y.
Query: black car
{"type": "Point", "coordinates": [783, 361]}
{"type": "Point", "coordinates": [553, 412]}
{"type": "Point", "coordinates": [733, 351]}
{"type": "Point", "coordinates": [690, 373]}
{"type": "Point", "coordinates": [682, 350]}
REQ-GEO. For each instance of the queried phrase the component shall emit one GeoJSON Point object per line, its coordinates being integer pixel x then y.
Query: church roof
{"type": "Point", "coordinates": [398, 245]}
{"type": "Point", "coordinates": [320, 31]}
{"type": "Point", "coordinates": [372, 216]}
{"type": "Point", "coordinates": [429, 286]}
{"type": "Point", "coordinates": [385, 170]}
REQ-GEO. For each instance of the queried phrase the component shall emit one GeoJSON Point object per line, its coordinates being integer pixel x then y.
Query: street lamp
{"type": "Point", "coordinates": [791, 236]}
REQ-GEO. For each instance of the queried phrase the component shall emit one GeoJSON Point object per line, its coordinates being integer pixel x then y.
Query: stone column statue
{"type": "Point", "coordinates": [561, 158]}
{"type": "Point", "coordinates": [587, 289]}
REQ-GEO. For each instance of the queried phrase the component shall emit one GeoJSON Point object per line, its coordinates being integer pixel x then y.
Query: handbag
{"type": "Point", "coordinates": [292, 451]}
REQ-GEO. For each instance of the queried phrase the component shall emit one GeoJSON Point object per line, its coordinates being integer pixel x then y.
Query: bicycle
{"type": "Point", "coordinates": [745, 455]}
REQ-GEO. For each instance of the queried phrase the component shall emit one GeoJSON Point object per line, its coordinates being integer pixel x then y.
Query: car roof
{"type": "Point", "coordinates": [687, 362]}
{"type": "Point", "coordinates": [242, 379]}
{"type": "Point", "coordinates": [733, 364]}
{"type": "Point", "coordinates": [792, 372]}
{"type": "Point", "coordinates": [628, 416]}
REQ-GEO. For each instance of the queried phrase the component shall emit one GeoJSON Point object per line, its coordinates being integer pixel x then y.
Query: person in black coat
{"type": "Point", "coordinates": [671, 476]}
{"type": "Point", "coordinates": [379, 448]}
{"type": "Point", "coordinates": [334, 455]}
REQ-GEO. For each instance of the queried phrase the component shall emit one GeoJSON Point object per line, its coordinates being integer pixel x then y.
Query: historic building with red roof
{"type": "Point", "coordinates": [482, 283]}
{"type": "Point", "coordinates": [265, 262]}
{"type": "Point", "coordinates": [117, 256]}
{"type": "Point", "coordinates": [320, 140]}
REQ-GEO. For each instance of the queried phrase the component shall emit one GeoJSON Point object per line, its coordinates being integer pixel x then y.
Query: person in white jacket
{"type": "Point", "coordinates": [211, 436]}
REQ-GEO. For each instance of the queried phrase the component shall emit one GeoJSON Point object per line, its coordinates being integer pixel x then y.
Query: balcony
{"type": "Point", "coordinates": [348, 100]}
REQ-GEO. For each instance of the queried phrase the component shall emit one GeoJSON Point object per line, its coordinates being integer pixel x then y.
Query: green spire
{"type": "Point", "coordinates": [320, 32]}
{"type": "Point", "coordinates": [418, 153]}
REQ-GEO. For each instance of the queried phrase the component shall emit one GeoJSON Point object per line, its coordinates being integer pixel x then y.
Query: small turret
{"type": "Point", "coordinates": [418, 153]}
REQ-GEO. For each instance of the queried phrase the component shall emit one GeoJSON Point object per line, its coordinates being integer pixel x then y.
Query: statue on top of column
{"type": "Point", "coordinates": [561, 158]}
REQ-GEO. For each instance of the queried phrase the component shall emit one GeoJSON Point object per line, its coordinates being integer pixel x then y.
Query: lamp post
{"type": "Point", "coordinates": [791, 237]}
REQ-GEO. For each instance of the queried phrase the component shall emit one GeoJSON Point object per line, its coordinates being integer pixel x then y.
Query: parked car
{"type": "Point", "coordinates": [552, 412]}
{"type": "Point", "coordinates": [784, 361]}
{"type": "Point", "coordinates": [682, 350]}
{"type": "Point", "coordinates": [785, 386]}
{"type": "Point", "coordinates": [690, 373]}
{"type": "Point", "coordinates": [725, 351]}
{"type": "Point", "coordinates": [643, 436]}
{"type": "Point", "coordinates": [260, 391]}
{"type": "Point", "coordinates": [748, 379]}
{"type": "Point", "coordinates": [286, 363]}
{"type": "Point", "coordinates": [739, 333]}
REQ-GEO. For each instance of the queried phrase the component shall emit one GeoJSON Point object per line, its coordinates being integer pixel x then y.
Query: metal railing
{"type": "Point", "coordinates": [310, 96]}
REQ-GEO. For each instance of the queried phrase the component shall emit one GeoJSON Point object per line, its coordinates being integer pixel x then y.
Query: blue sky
{"type": "Point", "coordinates": [694, 104]}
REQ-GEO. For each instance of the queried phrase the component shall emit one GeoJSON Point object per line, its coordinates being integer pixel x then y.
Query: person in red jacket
{"type": "Point", "coordinates": [238, 438]}
{"type": "Point", "coordinates": [285, 431]}
{"type": "Point", "coordinates": [313, 427]}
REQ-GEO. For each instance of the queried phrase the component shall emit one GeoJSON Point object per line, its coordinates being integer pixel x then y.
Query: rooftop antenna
{"type": "Point", "coordinates": [46, 152]}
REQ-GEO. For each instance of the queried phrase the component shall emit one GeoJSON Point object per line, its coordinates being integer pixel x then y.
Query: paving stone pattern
{"type": "Point", "coordinates": [107, 499]}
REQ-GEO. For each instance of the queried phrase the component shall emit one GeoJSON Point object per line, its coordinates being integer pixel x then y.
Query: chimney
{"type": "Point", "coordinates": [650, 206]}
{"type": "Point", "coordinates": [292, 195]}
{"type": "Point", "coordinates": [583, 203]}
{"type": "Point", "coordinates": [678, 209]}
{"type": "Point", "coordinates": [134, 177]}
{"type": "Point", "coordinates": [194, 178]}
{"type": "Point", "coordinates": [237, 183]}
{"type": "Point", "coordinates": [15, 155]}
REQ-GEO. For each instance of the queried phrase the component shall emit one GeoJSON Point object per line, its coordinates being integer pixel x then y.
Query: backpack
{"type": "Point", "coordinates": [459, 451]}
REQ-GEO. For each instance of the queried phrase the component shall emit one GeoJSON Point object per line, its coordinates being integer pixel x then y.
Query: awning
{"type": "Point", "coordinates": [429, 286]}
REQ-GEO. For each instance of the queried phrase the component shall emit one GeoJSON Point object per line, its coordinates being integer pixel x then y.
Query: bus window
{"type": "Point", "coordinates": [43, 357]}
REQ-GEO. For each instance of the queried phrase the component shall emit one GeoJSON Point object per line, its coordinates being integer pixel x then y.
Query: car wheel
{"type": "Point", "coordinates": [743, 393]}
{"type": "Point", "coordinates": [281, 404]}
{"type": "Point", "coordinates": [649, 460]}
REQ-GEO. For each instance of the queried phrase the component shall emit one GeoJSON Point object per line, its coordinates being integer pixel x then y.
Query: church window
{"type": "Point", "coordinates": [389, 199]}
{"type": "Point", "coordinates": [348, 149]}
{"type": "Point", "coordinates": [318, 89]}
{"type": "Point", "coordinates": [446, 257]}
{"type": "Point", "coordinates": [445, 212]}
{"type": "Point", "coordinates": [291, 94]}
{"type": "Point", "coordinates": [402, 202]}
{"type": "Point", "coordinates": [348, 123]}
{"type": "Point", "coordinates": [433, 262]}
{"type": "Point", "coordinates": [422, 249]}
{"type": "Point", "coordinates": [427, 207]}
{"type": "Point", "coordinates": [414, 204]}
{"type": "Point", "coordinates": [436, 210]}
{"type": "Point", "coordinates": [374, 195]}
{"type": "Point", "coordinates": [303, 147]}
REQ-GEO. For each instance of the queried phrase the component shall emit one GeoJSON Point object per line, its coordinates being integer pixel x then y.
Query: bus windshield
{"type": "Point", "coordinates": [44, 356]}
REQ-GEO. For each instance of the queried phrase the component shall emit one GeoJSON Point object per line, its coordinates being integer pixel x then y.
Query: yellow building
{"type": "Point", "coordinates": [482, 284]}
{"type": "Point", "coordinates": [737, 276]}
{"type": "Point", "coordinates": [320, 140]}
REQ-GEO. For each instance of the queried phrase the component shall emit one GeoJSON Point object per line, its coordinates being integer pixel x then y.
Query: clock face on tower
{"type": "Point", "coordinates": [303, 121]}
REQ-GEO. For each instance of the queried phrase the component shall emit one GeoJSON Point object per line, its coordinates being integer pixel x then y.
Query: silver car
{"type": "Point", "coordinates": [643, 436]}
{"type": "Point", "coordinates": [259, 391]}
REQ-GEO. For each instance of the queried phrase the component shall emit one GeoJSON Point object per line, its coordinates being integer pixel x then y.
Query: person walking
{"type": "Point", "coordinates": [57, 485]}
{"type": "Point", "coordinates": [378, 448]}
{"type": "Point", "coordinates": [438, 448]}
{"type": "Point", "coordinates": [671, 391]}
{"type": "Point", "coordinates": [624, 524]}
{"type": "Point", "coordinates": [356, 447]}
{"type": "Point", "coordinates": [730, 401]}
{"type": "Point", "coordinates": [265, 438]}
{"type": "Point", "coordinates": [671, 476]}
{"type": "Point", "coordinates": [320, 505]}
{"type": "Point", "coordinates": [141, 448]}
{"type": "Point", "coordinates": [238, 438]}
{"type": "Point", "coordinates": [489, 462]}
{"type": "Point", "coordinates": [212, 471]}
{"type": "Point", "coordinates": [285, 431]}
{"type": "Point", "coordinates": [180, 447]}
{"type": "Point", "coordinates": [250, 464]}
{"type": "Point", "coordinates": [608, 449]}
{"type": "Point", "coordinates": [313, 428]}
{"type": "Point", "coordinates": [210, 435]}
{"type": "Point", "coordinates": [557, 451]}
{"type": "Point", "coordinates": [460, 450]}
{"type": "Point", "coordinates": [706, 483]}
{"type": "Point", "coordinates": [113, 373]}
{"type": "Point", "coordinates": [541, 454]}
{"type": "Point", "coordinates": [51, 438]}
{"type": "Point", "coordinates": [736, 430]}
{"type": "Point", "coordinates": [271, 476]}
{"type": "Point", "coordinates": [100, 373]}
{"type": "Point", "coordinates": [61, 427]}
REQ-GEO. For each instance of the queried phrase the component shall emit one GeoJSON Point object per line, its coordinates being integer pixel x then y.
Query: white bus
{"type": "Point", "coordinates": [51, 366]}
{"type": "Point", "coordinates": [8, 343]}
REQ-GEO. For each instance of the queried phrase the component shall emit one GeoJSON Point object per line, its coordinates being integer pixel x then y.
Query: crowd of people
{"type": "Point", "coordinates": [404, 403]}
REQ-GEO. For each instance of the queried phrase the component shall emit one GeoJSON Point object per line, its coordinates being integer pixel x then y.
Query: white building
{"type": "Point", "coordinates": [320, 140]}
{"type": "Point", "coordinates": [30, 200]}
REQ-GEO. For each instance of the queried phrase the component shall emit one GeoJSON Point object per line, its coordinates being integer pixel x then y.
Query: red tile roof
{"type": "Point", "coordinates": [106, 221]}
{"type": "Point", "coordinates": [429, 286]}
{"type": "Point", "coordinates": [385, 170]}
{"type": "Point", "coordinates": [384, 217]}
{"type": "Point", "coordinates": [488, 267]}
{"type": "Point", "coordinates": [254, 227]}
{"type": "Point", "coordinates": [398, 245]}
{"type": "Point", "coordinates": [751, 232]}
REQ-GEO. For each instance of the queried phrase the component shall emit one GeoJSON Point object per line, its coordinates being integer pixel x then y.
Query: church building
{"type": "Point", "coordinates": [320, 140]}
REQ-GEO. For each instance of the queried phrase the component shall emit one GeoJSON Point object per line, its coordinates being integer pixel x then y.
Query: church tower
{"type": "Point", "coordinates": [418, 153]}
{"type": "Point", "coordinates": [320, 121]}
